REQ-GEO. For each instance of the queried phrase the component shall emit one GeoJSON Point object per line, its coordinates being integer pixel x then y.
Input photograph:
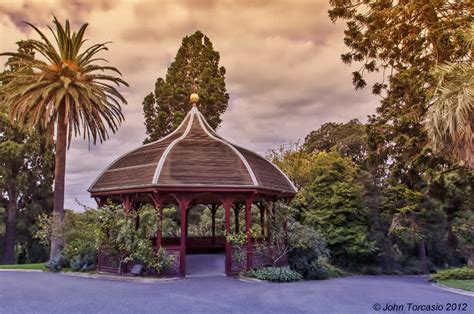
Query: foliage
{"type": "Point", "coordinates": [110, 229]}
{"type": "Point", "coordinates": [200, 221]}
{"type": "Point", "coordinates": [65, 90]}
{"type": "Point", "coordinates": [402, 41]}
{"type": "Point", "coordinates": [414, 213]}
{"type": "Point", "coordinates": [449, 119]}
{"type": "Point", "coordinates": [77, 236]}
{"type": "Point", "coordinates": [280, 241]}
{"type": "Point", "coordinates": [118, 234]}
{"type": "Point", "coordinates": [69, 82]}
{"type": "Point", "coordinates": [348, 139]}
{"type": "Point", "coordinates": [308, 251]}
{"type": "Point", "coordinates": [84, 263]}
{"type": "Point", "coordinates": [57, 263]}
{"type": "Point", "coordinates": [295, 162]}
{"type": "Point", "coordinates": [332, 204]}
{"type": "Point", "coordinates": [237, 239]}
{"type": "Point", "coordinates": [26, 176]}
{"type": "Point", "coordinates": [275, 274]}
{"type": "Point", "coordinates": [463, 230]}
{"type": "Point", "coordinates": [454, 273]}
{"type": "Point", "coordinates": [194, 69]}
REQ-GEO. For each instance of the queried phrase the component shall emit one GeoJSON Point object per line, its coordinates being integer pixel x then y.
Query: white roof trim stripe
{"type": "Point", "coordinates": [275, 166]}
{"type": "Point", "coordinates": [249, 169]}
{"type": "Point", "coordinates": [131, 151]}
{"type": "Point", "coordinates": [170, 147]}
{"type": "Point", "coordinates": [286, 177]}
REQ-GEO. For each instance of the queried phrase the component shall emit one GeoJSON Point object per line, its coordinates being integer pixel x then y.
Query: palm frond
{"type": "Point", "coordinates": [67, 82]}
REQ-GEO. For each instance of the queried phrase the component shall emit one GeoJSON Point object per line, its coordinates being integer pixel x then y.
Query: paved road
{"type": "Point", "coordinates": [22, 292]}
{"type": "Point", "coordinates": [205, 265]}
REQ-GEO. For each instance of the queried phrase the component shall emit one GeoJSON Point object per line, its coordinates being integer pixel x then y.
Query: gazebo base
{"type": "Point", "coordinates": [238, 258]}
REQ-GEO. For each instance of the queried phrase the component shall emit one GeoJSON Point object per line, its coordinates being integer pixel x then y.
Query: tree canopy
{"type": "Point", "coordinates": [195, 69]}
{"type": "Point", "coordinates": [349, 139]}
{"type": "Point", "coordinates": [332, 204]}
{"type": "Point", "coordinates": [68, 89]}
{"type": "Point", "coordinates": [403, 40]}
{"type": "Point", "coordinates": [26, 177]}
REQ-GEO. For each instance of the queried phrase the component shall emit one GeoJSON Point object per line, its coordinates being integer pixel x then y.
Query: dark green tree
{"type": "Point", "coordinates": [26, 177]}
{"type": "Point", "coordinates": [349, 139]}
{"type": "Point", "coordinates": [195, 69]}
{"type": "Point", "coordinates": [332, 204]}
{"type": "Point", "coordinates": [403, 40]}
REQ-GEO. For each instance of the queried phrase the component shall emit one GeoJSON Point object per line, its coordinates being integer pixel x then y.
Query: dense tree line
{"type": "Point", "coordinates": [26, 177]}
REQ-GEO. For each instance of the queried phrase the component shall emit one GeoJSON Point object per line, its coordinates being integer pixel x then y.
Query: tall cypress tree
{"type": "Point", "coordinates": [195, 69]}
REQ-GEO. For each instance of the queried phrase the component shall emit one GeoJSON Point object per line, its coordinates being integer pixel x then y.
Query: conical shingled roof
{"type": "Point", "coordinates": [194, 155]}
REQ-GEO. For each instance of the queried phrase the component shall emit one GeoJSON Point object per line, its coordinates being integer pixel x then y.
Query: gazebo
{"type": "Point", "coordinates": [194, 165]}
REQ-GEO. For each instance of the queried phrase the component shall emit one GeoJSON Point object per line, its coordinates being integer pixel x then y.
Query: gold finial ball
{"type": "Point", "coordinates": [194, 98]}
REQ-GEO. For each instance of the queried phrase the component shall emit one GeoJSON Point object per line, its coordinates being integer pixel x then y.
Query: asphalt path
{"type": "Point", "coordinates": [42, 292]}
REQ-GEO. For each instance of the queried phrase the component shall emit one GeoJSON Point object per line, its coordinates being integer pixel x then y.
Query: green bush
{"type": "Point", "coordinates": [78, 237]}
{"type": "Point", "coordinates": [307, 251]}
{"type": "Point", "coordinates": [462, 273]}
{"type": "Point", "coordinates": [57, 263]}
{"type": "Point", "coordinates": [275, 274]}
{"type": "Point", "coordinates": [331, 270]}
{"type": "Point", "coordinates": [84, 263]}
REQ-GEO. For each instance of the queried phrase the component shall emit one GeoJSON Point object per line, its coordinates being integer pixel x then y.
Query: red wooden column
{"type": "Point", "coordinates": [248, 225]}
{"type": "Point", "coordinates": [183, 205]}
{"type": "Point", "coordinates": [128, 201]}
{"type": "Point", "coordinates": [237, 208]}
{"type": "Point", "coordinates": [158, 202]}
{"type": "Point", "coordinates": [227, 204]}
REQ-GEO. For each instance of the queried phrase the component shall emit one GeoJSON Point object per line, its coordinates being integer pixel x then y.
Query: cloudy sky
{"type": "Point", "coordinates": [284, 73]}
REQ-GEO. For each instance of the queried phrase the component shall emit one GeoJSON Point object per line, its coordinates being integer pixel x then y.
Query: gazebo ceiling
{"type": "Point", "coordinates": [193, 156]}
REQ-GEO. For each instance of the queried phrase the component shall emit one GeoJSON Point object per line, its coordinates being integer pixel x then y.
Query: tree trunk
{"type": "Point", "coordinates": [59, 178]}
{"type": "Point", "coordinates": [470, 257]}
{"type": "Point", "coordinates": [10, 232]}
{"type": "Point", "coordinates": [422, 257]}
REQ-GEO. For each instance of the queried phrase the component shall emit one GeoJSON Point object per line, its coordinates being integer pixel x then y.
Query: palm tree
{"type": "Point", "coordinates": [63, 90]}
{"type": "Point", "coordinates": [450, 119]}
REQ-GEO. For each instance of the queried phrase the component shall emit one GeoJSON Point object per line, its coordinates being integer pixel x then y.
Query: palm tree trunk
{"type": "Point", "coordinates": [10, 232]}
{"type": "Point", "coordinates": [59, 179]}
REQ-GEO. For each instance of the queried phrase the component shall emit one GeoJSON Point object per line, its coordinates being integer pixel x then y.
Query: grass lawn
{"type": "Point", "coordinates": [467, 284]}
{"type": "Point", "coordinates": [39, 266]}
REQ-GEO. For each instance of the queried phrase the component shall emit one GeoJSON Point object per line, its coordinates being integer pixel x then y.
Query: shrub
{"type": "Point", "coordinates": [462, 273]}
{"type": "Point", "coordinates": [78, 237]}
{"type": "Point", "coordinates": [118, 234]}
{"type": "Point", "coordinates": [83, 263]}
{"type": "Point", "coordinates": [331, 270]}
{"type": "Point", "coordinates": [57, 263]}
{"type": "Point", "coordinates": [275, 274]}
{"type": "Point", "coordinates": [307, 250]}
